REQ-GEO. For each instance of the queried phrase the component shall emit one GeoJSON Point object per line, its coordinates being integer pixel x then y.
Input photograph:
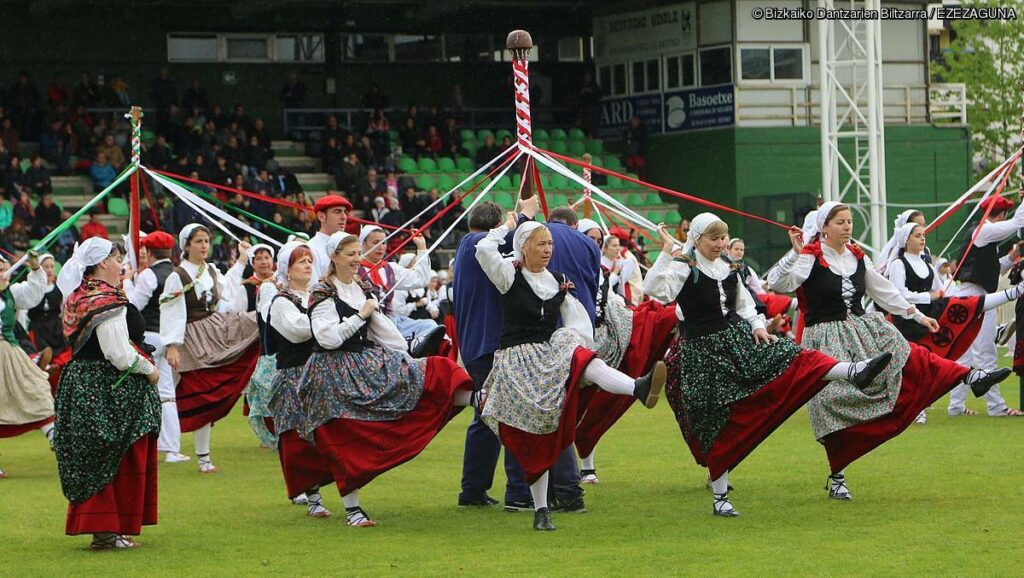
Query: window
{"type": "Point", "coordinates": [680, 71]}
{"type": "Point", "coordinates": [185, 48]}
{"type": "Point", "coordinates": [612, 78]}
{"type": "Point", "coordinates": [419, 48]}
{"type": "Point", "coordinates": [646, 76]}
{"type": "Point", "coordinates": [772, 63]}
{"type": "Point", "coordinates": [715, 65]}
{"type": "Point", "coordinates": [570, 49]}
{"type": "Point", "coordinates": [299, 48]}
{"type": "Point", "coordinates": [247, 49]}
{"type": "Point", "coordinates": [364, 47]}
{"type": "Point", "coordinates": [468, 47]}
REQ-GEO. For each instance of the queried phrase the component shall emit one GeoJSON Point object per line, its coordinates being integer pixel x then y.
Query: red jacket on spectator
{"type": "Point", "coordinates": [94, 229]}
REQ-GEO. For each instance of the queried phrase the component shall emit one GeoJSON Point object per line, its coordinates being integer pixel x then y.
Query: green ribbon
{"type": "Point", "coordinates": [229, 206]}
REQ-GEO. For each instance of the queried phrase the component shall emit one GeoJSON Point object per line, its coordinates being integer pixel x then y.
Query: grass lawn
{"type": "Point", "coordinates": [939, 500]}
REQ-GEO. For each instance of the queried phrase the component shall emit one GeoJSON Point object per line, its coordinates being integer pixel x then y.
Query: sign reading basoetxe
{"type": "Point", "coordinates": [699, 108]}
{"type": "Point", "coordinates": [646, 32]}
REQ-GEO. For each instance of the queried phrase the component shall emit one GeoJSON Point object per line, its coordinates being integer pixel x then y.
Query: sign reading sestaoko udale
{"type": "Point", "coordinates": [646, 33]}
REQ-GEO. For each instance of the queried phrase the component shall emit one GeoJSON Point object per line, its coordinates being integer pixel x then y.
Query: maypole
{"type": "Point", "coordinates": [587, 176]}
{"type": "Point", "coordinates": [519, 43]}
{"type": "Point", "coordinates": [134, 117]}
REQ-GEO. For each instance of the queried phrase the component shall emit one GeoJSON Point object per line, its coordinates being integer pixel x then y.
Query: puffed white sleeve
{"type": "Point", "coordinates": [385, 333]}
{"type": "Point", "coordinates": [232, 292]}
{"type": "Point", "coordinates": [747, 310]}
{"type": "Point", "coordinates": [172, 312]}
{"type": "Point", "coordinates": [330, 331]}
{"type": "Point", "coordinates": [626, 273]}
{"type": "Point", "coordinates": [141, 290]}
{"type": "Point", "coordinates": [576, 318]}
{"type": "Point", "coordinates": [31, 291]}
{"type": "Point", "coordinates": [498, 269]}
{"type": "Point", "coordinates": [790, 272]}
{"type": "Point", "coordinates": [264, 297]}
{"type": "Point", "coordinates": [666, 278]}
{"type": "Point", "coordinates": [885, 293]}
{"type": "Point", "coordinates": [400, 304]}
{"type": "Point", "coordinates": [1001, 231]}
{"type": "Point", "coordinates": [897, 274]}
{"type": "Point", "coordinates": [112, 334]}
{"type": "Point", "coordinates": [286, 318]}
{"type": "Point", "coordinates": [754, 282]}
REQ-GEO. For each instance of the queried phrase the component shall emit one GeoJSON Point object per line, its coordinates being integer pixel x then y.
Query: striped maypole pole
{"type": "Point", "coordinates": [587, 176]}
{"type": "Point", "coordinates": [519, 43]}
{"type": "Point", "coordinates": [134, 117]}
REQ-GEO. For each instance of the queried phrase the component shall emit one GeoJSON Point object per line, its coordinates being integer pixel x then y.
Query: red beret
{"type": "Point", "coordinates": [158, 240]}
{"type": "Point", "coordinates": [622, 234]}
{"type": "Point", "coordinates": [998, 204]}
{"type": "Point", "coordinates": [330, 201]}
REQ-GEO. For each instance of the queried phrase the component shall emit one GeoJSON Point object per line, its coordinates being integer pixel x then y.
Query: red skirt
{"type": "Point", "coordinates": [536, 453]}
{"type": "Point", "coordinates": [359, 451]}
{"type": "Point", "coordinates": [926, 378]}
{"type": "Point", "coordinates": [127, 503]}
{"type": "Point", "coordinates": [959, 324]}
{"type": "Point", "coordinates": [59, 362]}
{"type": "Point", "coordinates": [754, 418]}
{"type": "Point", "coordinates": [777, 304]}
{"type": "Point", "coordinates": [652, 334]}
{"type": "Point", "coordinates": [10, 431]}
{"type": "Point", "coordinates": [206, 395]}
{"type": "Point", "coordinates": [303, 467]}
{"type": "Point", "coordinates": [450, 349]}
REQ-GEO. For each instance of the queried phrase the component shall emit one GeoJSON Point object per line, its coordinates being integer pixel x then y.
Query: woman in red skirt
{"type": "Point", "coordinates": [831, 278]}
{"type": "Point", "coordinates": [368, 406]}
{"type": "Point", "coordinates": [108, 410]}
{"type": "Point", "coordinates": [212, 347]}
{"type": "Point", "coordinates": [731, 383]}
{"type": "Point", "coordinates": [289, 338]}
{"type": "Point", "coordinates": [533, 389]}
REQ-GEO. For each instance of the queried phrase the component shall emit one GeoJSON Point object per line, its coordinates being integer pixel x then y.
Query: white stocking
{"type": "Point", "coordinates": [588, 462]}
{"type": "Point", "coordinates": [202, 440]}
{"type": "Point", "coordinates": [351, 500]}
{"type": "Point", "coordinates": [539, 491]}
{"type": "Point", "coordinates": [608, 379]}
{"type": "Point", "coordinates": [721, 485]}
{"type": "Point", "coordinates": [993, 300]}
{"type": "Point", "coordinates": [462, 397]}
{"type": "Point", "coordinates": [844, 369]}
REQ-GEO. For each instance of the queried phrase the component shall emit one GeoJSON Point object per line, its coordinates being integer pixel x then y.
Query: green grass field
{"type": "Point", "coordinates": [941, 499]}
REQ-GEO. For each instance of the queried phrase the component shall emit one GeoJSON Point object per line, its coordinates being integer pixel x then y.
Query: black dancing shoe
{"type": "Point", "coordinates": [984, 383]}
{"type": "Point", "coordinates": [524, 506]}
{"type": "Point", "coordinates": [872, 368]}
{"type": "Point", "coordinates": [427, 344]}
{"type": "Point", "coordinates": [648, 388]}
{"type": "Point", "coordinates": [485, 501]}
{"type": "Point", "coordinates": [573, 506]}
{"type": "Point", "coordinates": [723, 507]}
{"type": "Point", "coordinates": [542, 520]}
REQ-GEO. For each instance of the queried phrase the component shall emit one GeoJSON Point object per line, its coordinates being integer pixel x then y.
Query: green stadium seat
{"type": "Point", "coordinates": [504, 184]}
{"type": "Point", "coordinates": [560, 182]}
{"type": "Point", "coordinates": [393, 136]}
{"type": "Point", "coordinates": [542, 144]}
{"type": "Point", "coordinates": [446, 165]}
{"type": "Point", "coordinates": [540, 135]}
{"type": "Point", "coordinates": [499, 135]}
{"type": "Point", "coordinates": [483, 133]}
{"type": "Point", "coordinates": [426, 182]}
{"type": "Point", "coordinates": [634, 201]}
{"type": "Point", "coordinates": [612, 162]}
{"type": "Point", "coordinates": [467, 134]}
{"type": "Point", "coordinates": [25, 164]}
{"type": "Point", "coordinates": [559, 146]}
{"type": "Point", "coordinates": [595, 146]}
{"type": "Point", "coordinates": [465, 164]}
{"type": "Point", "coordinates": [427, 165]}
{"type": "Point", "coordinates": [653, 199]}
{"type": "Point", "coordinates": [470, 147]}
{"type": "Point", "coordinates": [577, 148]}
{"type": "Point", "coordinates": [672, 217]}
{"type": "Point", "coordinates": [446, 182]}
{"type": "Point", "coordinates": [614, 183]}
{"type": "Point", "coordinates": [504, 200]}
{"type": "Point", "coordinates": [545, 180]}
{"type": "Point", "coordinates": [117, 206]}
{"type": "Point", "coordinates": [558, 134]}
{"type": "Point", "coordinates": [631, 184]}
{"type": "Point", "coordinates": [597, 162]}
{"type": "Point", "coordinates": [407, 165]}
{"type": "Point", "coordinates": [576, 134]}
{"type": "Point", "coordinates": [655, 216]}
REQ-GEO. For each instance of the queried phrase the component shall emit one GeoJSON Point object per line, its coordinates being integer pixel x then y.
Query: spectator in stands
{"type": "Point", "coordinates": [635, 136]}
{"type": "Point", "coordinates": [37, 177]}
{"type": "Point", "coordinates": [254, 156]}
{"type": "Point", "coordinates": [330, 158]}
{"type": "Point", "coordinates": [347, 145]}
{"type": "Point", "coordinates": [195, 97]}
{"type": "Point", "coordinates": [450, 133]}
{"type": "Point", "coordinates": [203, 168]}
{"type": "Point", "coordinates": [434, 117]}
{"type": "Point", "coordinates": [47, 216]}
{"type": "Point", "coordinates": [55, 145]}
{"type": "Point", "coordinates": [232, 130]}
{"type": "Point", "coordinates": [114, 154]}
{"type": "Point", "coordinates": [411, 204]}
{"type": "Point", "coordinates": [588, 103]}
{"type": "Point", "coordinates": [6, 213]}
{"type": "Point", "coordinates": [86, 92]}
{"type": "Point", "coordinates": [101, 173]}
{"type": "Point", "coordinates": [412, 140]}
{"type": "Point", "coordinates": [434, 143]}
{"type": "Point", "coordinates": [65, 244]}
{"type": "Point", "coordinates": [683, 230]}
{"type": "Point", "coordinates": [335, 131]}
{"type": "Point", "coordinates": [221, 173]}
{"type": "Point", "coordinates": [11, 178]}
{"type": "Point", "coordinates": [395, 217]}
{"type": "Point", "coordinates": [160, 156]}
{"type": "Point", "coordinates": [293, 95]}
{"type": "Point", "coordinates": [365, 152]}
{"type": "Point", "coordinates": [506, 143]}
{"type": "Point", "coordinates": [240, 119]}
{"type": "Point", "coordinates": [259, 130]}
{"type": "Point", "coordinates": [487, 152]}
{"type": "Point", "coordinates": [454, 150]}
{"type": "Point", "coordinates": [369, 187]}
{"type": "Point", "coordinates": [82, 122]}
{"type": "Point", "coordinates": [262, 183]}
{"type": "Point", "coordinates": [352, 173]}
{"type": "Point", "coordinates": [23, 105]}
{"type": "Point", "coordinates": [9, 134]}
{"type": "Point", "coordinates": [23, 209]}
{"type": "Point", "coordinates": [379, 131]}
{"type": "Point", "coordinates": [115, 94]}
{"type": "Point", "coordinates": [217, 116]}
{"type": "Point", "coordinates": [379, 210]}
{"type": "Point", "coordinates": [163, 93]}
{"type": "Point", "coordinates": [375, 98]}
{"type": "Point", "coordinates": [58, 92]}
{"type": "Point", "coordinates": [412, 112]}
{"type": "Point", "coordinates": [233, 153]}
{"type": "Point", "coordinates": [95, 227]}
{"type": "Point", "coordinates": [17, 238]}
{"type": "Point", "coordinates": [457, 104]}
{"type": "Point", "coordinates": [5, 159]}
{"type": "Point", "coordinates": [391, 184]}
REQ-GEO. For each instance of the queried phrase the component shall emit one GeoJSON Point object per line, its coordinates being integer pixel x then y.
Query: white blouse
{"type": "Point", "coordinates": [897, 273]}
{"type": "Point", "coordinates": [28, 293]}
{"type": "Point", "coordinates": [173, 313]}
{"type": "Point", "coordinates": [790, 273]}
{"type": "Point", "coordinates": [502, 273]}
{"type": "Point", "coordinates": [331, 332]}
{"type": "Point", "coordinates": [285, 317]}
{"type": "Point", "coordinates": [666, 277]}
{"type": "Point", "coordinates": [112, 335]}
{"type": "Point", "coordinates": [141, 289]}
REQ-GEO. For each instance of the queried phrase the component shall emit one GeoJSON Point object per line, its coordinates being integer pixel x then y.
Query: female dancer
{"type": "Point", "coordinates": [732, 384]}
{"type": "Point", "coordinates": [288, 339]}
{"type": "Point", "coordinates": [534, 387]}
{"type": "Point", "coordinates": [25, 399]}
{"type": "Point", "coordinates": [831, 277]}
{"type": "Point", "coordinates": [368, 405]}
{"type": "Point", "coordinates": [44, 319]}
{"type": "Point", "coordinates": [212, 348]}
{"type": "Point", "coordinates": [108, 414]}
{"type": "Point", "coordinates": [258, 390]}
{"type": "Point", "coordinates": [891, 249]}
{"type": "Point", "coordinates": [630, 339]}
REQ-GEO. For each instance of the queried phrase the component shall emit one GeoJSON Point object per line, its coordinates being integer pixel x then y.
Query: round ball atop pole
{"type": "Point", "coordinates": [519, 43]}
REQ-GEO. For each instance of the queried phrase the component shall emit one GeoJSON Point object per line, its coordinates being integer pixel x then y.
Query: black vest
{"type": "Point", "coordinates": [981, 265]}
{"type": "Point", "coordinates": [602, 299]}
{"type": "Point", "coordinates": [700, 301]}
{"type": "Point", "coordinates": [911, 329]}
{"type": "Point", "coordinates": [151, 312]}
{"type": "Point", "coordinates": [357, 342]}
{"type": "Point", "coordinates": [823, 294]}
{"type": "Point", "coordinates": [49, 308]}
{"type": "Point", "coordinates": [526, 318]}
{"type": "Point", "coordinates": [915, 283]}
{"type": "Point", "coordinates": [745, 274]}
{"type": "Point", "coordinates": [91, 350]}
{"type": "Point", "coordinates": [288, 354]}
{"type": "Point", "coordinates": [250, 297]}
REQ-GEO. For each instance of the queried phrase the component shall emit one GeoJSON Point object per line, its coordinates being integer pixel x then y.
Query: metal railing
{"type": "Point", "coordinates": [948, 102]}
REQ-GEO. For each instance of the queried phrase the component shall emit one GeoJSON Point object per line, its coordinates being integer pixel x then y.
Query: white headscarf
{"type": "Point", "coordinates": [366, 230]}
{"type": "Point", "coordinates": [902, 236]}
{"type": "Point", "coordinates": [697, 226]}
{"type": "Point", "coordinates": [90, 252]}
{"type": "Point", "coordinates": [810, 226]}
{"type": "Point", "coordinates": [334, 240]}
{"type": "Point", "coordinates": [587, 224]}
{"type": "Point", "coordinates": [523, 233]}
{"type": "Point", "coordinates": [186, 232]}
{"type": "Point", "coordinates": [822, 216]}
{"type": "Point", "coordinates": [891, 249]}
{"type": "Point", "coordinates": [285, 256]}
{"type": "Point", "coordinates": [260, 247]}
